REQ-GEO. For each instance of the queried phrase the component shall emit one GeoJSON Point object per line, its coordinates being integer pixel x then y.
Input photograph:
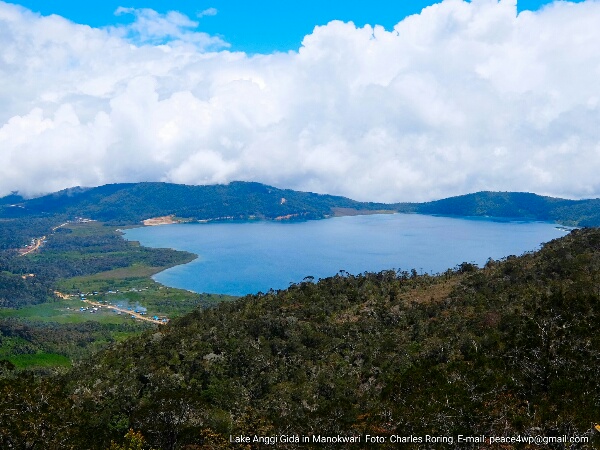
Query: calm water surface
{"type": "Point", "coordinates": [243, 258]}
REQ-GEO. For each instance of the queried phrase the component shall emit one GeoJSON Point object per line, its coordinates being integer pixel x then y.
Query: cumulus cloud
{"type": "Point", "coordinates": [464, 96]}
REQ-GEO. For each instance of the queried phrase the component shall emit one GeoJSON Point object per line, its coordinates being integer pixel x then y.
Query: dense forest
{"type": "Point", "coordinates": [510, 349]}
{"type": "Point", "coordinates": [512, 205]}
{"type": "Point", "coordinates": [134, 202]}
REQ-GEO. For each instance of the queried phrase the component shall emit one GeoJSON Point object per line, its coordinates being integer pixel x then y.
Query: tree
{"type": "Point", "coordinates": [133, 441]}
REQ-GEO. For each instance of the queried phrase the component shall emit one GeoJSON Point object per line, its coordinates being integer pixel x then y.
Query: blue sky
{"type": "Point", "coordinates": [252, 26]}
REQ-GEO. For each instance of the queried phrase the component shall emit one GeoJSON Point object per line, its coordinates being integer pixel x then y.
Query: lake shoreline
{"type": "Point", "coordinates": [260, 262]}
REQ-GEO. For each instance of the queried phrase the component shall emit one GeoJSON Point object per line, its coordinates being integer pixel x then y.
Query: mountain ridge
{"type": "Point", "coordinates": [131, 203]}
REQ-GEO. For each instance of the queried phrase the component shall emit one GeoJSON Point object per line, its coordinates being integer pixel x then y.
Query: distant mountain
{"type": "Point", "coordinates": [512, 205]}
{"type": "Point", "coordinates": [11, 199]}
{"type": "Point", "coordinates": [134, 202]}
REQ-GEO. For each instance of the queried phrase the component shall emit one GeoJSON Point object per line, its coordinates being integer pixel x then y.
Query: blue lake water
{"type": "Point", "coordinates": [250, 257]}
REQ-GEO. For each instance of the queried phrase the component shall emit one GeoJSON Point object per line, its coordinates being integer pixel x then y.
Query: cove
{"type": "Point", "coordinates": [250, 257]}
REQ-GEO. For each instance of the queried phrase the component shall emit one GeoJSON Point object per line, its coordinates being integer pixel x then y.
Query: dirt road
{"type": "Point", "coordinates": [37, 243]}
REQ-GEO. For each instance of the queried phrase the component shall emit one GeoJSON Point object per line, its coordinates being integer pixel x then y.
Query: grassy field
{"type": "Point", "coordinates": [123, 273]}
{"type": "Point", "coordinates": [40, 360]}
{"type": "Point", "coordinates": [63, 311]}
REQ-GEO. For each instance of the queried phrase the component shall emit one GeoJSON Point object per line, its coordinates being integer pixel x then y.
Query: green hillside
{"type": "Point", "coordinates": [509, 350]}
{"type": "Point", "coordinates": [512, 205]}
{"type": "Point", "coordinates": [132, 203]}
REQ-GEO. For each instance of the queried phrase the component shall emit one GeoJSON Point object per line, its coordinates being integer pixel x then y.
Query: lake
{"type": "Point", "coordinates": [251, 257]}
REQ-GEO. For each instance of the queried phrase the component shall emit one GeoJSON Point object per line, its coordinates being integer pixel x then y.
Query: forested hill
{"type": "Point", "coordinates": [512, 349]}
{"type": "Point", "coordinates": [512, 205]}
{"type": "Point", "coordinates": [133, 202]}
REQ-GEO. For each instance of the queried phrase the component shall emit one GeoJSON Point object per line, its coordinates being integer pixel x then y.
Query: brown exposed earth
{"type": "Point", "coordinates": [37, 242]}
{"type": "Point", "coordinates": [162, 220]}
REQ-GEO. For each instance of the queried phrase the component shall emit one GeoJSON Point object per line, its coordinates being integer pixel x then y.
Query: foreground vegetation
{"type": "Point", "coordinates": [512, 349]}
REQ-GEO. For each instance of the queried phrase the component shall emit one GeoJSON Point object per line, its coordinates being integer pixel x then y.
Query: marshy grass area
{"type": "Point", "coordinates": [40, 360]}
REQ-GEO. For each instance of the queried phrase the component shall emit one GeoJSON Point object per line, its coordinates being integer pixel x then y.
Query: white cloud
{"type": "Point", "coordinates": [151, 27]}
{"type": "Point", "coordinates": [207, 12]}
{"type": "Point", "coordinates": [460, 98]}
